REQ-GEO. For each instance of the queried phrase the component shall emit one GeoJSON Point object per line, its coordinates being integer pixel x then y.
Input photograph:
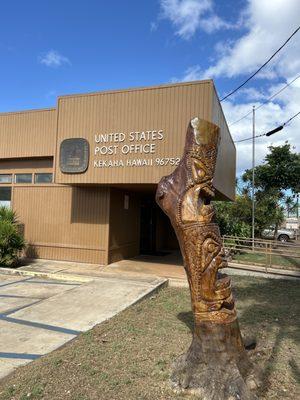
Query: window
{"type": "Point", "coordinates": [5, 196]}
{"type": "Point", "coordinates": [5, 178]}
{"type": "Point", "coordinates": [43, 178]}
{"type": "Point", "coordinates": [23, 178]}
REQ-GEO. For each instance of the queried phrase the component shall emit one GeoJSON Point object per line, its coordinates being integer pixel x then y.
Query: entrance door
{"type": "Point", "coordinates": [148, 226]}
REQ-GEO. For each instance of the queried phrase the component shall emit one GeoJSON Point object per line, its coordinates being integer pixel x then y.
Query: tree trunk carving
{"type": "Point", "coordinates": [216, 365]}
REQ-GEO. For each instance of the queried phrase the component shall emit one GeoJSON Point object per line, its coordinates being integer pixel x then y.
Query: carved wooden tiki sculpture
{"type": "Point", "coordinates": [216, 365]}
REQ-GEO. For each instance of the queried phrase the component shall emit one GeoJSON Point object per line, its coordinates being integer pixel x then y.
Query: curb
{"type": "Point", "coordinates": [235, 269]}
{"type": "Point", "coordinates": [47, 275]}
{"type": "Point", "coordinates": [178, 282]}
{"type": "Point", "coordinates": [158, 282]}
{"type": "Point", "coordinates": [152, 291]}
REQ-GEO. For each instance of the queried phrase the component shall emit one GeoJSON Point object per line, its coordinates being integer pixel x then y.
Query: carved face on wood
{"type": "Point", "coordinates": [185, 197]}
{"type": "Point", "coordinates": [190, 187]}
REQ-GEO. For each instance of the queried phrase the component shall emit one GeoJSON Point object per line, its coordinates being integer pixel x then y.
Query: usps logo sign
{"type": "Point", "coordinates": [74, 156]}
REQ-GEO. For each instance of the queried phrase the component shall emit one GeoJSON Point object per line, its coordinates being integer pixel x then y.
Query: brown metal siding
{"type": "Point", "coordinates": [9, 166]}
{"type": "Point", "coordinates": [64, 223]}
{"type": "Point", "coordinates": [124, 226]}
{"type": "Point", "coordinates": [168, 108]}
{"type": "Point", "coordinates": [28, 134]}
{"type": "Point", "coordinates": [224, 179]}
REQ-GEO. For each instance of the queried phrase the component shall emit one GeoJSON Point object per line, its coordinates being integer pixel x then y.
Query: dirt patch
{"type": "Point", "coordinates": [130, 356]}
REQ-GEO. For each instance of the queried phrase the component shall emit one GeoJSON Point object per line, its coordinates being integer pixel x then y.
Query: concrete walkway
{"type": "Point", "coordinates": [38, 314]}
{"type": "Point", "coordinates": [170, 266]}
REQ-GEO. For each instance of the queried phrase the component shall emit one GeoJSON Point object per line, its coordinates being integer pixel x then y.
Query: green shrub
{"type": "Point", "coordinates": [7, 214]}
{"type": "Point", "coordinates": [11, 240]}
{"type": "Point", "coordinates": [234, 218]}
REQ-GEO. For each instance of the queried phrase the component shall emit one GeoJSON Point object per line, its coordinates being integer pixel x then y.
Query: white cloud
{"type": "Point", "coordinates": [153, 26]}
{"type": "Point", "coordinates": [188, 16]}
{"type": "Point", "coordinates": [250, 93]}
{"type": "Point", "coordinates": [53, 59]}
{"type": "Point", "coordinates": [50, 94]}
{"type": "Point", "coordinates": [268, 117]}
{"type": "Point", "coordinates": [269, 24]}
{"type": "Point", "coordinates": [193, 73]}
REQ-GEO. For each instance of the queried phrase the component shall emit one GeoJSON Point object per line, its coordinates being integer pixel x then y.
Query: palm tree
{"type": "Point", "coordinates": [290, 204]}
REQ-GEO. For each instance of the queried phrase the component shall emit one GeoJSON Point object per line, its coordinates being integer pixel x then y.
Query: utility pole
{"type": "Point", "coordinates": [253, 175]}
{"type": "Point", "coordinates": [298, 194]}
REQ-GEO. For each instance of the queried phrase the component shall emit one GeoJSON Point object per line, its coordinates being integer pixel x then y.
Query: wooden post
{"type": "Point", "coordinates": [216, 366]}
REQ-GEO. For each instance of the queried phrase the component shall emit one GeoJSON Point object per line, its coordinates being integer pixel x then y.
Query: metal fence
{"type": "Point", "coordinates": [266, 253]}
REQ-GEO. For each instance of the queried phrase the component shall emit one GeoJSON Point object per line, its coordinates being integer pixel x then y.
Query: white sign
{"type": "Point", "coordinates": [126, 202]}
{"type": "Point", "coordinates": [136, 142]}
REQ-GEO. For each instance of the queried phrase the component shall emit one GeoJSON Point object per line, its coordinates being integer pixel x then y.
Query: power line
{"type": "Point", "coordinates": [250, 138]}
{"type": "Point", "coordinates": [289, 120]}
{"type": "Point", "coordinates": [260, 68]}
{"type": "Point", "coordinates": [266, 101]}
{"type": "Point", "coordinates": [279, 128]}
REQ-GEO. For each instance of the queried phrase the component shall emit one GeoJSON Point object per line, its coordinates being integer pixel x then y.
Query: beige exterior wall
{"type": "Point", "coordinates": [167, 108]}
{"type": "Point", "coordinates": [224, 179]}
{"type": "Point", "coordinates": [124, 225]}
{"type": "Point", "coordinates": [64, 223]}
{"type": "Point", "coordinates": [28, 134]}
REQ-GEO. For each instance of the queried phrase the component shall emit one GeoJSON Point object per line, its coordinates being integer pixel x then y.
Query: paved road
{"type": "Point", "coordinates": [39, 315]}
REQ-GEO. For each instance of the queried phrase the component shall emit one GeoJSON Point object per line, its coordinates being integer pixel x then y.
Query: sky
{"type": "Point", "coordinates": [51, 48]}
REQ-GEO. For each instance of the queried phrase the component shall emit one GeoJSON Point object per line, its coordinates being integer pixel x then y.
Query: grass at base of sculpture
{"type": "Point", "coordinates": [130, 357]}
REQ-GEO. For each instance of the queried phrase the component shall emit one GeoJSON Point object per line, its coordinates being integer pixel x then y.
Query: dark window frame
{"type": "Point", "coordinates": [6, 182]}
{"type": "Point", "coordinates": [43, 173]}
{"type": "Point", "coordinates": [24, 174]}
{"type": "Point", "coordinates": [9, 190]}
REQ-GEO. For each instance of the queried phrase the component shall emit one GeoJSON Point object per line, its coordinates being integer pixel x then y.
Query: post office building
{"type": "Point", "coordinates": [82, 176]}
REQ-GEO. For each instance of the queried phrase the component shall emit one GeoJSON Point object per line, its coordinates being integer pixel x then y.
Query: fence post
{"type": "Point", "coordinates": [269, 255]}
{"type": "Point", "coordinates": [267, 247]}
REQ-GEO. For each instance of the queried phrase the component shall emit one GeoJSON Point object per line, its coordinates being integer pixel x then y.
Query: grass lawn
{"type": "Point", "coordinates": [130, 356]}
{"type": "Point", "coordinates": [285, 262]}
